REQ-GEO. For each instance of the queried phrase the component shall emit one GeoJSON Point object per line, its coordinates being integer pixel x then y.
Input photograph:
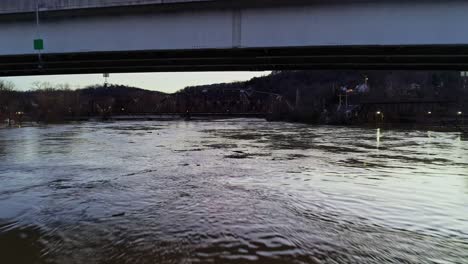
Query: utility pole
{"type": "Point", "coordinates": [106, 76]}
{"type": "Point", "coordinates": [298, 98]}
{"type": "Point", "coordinates": [38, 42]}
{"type": "Point", "coordinates": [346, 101]}
{"type": "Point", "coordinates": [340, 102]}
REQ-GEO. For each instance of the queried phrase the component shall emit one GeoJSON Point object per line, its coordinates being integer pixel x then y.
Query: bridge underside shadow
{"type": "Point", "coordinates": [439, 57]}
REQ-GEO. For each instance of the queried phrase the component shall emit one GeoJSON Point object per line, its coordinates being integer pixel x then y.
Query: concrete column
{"type": "Point", "coordinates": [236, 28]}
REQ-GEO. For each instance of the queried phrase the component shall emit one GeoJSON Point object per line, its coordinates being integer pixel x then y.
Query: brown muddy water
{"type": "Point", "coordinates": [231, 191]}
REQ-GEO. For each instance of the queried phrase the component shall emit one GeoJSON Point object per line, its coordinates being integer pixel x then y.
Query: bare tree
{"type": "Point", "coordinates": [6, 100]}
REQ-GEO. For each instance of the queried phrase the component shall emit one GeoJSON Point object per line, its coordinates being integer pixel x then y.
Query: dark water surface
{"type": "Point", "coordinates": [232, 191]}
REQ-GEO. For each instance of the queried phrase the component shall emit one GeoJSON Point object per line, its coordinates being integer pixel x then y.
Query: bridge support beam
{"type": "Point", "coordinates": [305, 35]}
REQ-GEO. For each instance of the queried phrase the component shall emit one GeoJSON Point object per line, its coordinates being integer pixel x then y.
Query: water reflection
{"type": "Point", "coordinates": [378, 137]}
{"type": "Point", "coordinates": [232, 192]}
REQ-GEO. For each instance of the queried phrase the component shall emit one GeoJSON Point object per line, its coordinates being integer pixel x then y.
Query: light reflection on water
{"type": "Point", "coordinates": [232, 191]}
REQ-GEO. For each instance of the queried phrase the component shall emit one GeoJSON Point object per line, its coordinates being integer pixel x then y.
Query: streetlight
{"type": "Point", "coordinates": [461, 117]}
{"type": "Point", "coordinates": [379, 116]}
{"type": "Point", "coordinates": [429, 113]}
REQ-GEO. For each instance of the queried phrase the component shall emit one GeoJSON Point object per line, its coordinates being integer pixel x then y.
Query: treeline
{"type": "Point", "coordinates": [302, 95]}
{"type": "Point", "coordinates": [57, 103]}
{"type": "Point", "coordinates": [305, 95]}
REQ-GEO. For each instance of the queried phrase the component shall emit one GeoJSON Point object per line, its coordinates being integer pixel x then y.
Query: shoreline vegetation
{"type": "Point", "coordinates": [371, 98]}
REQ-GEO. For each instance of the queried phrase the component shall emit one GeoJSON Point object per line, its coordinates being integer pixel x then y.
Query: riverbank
{"type": "Point", "coordinates": [171, 118]}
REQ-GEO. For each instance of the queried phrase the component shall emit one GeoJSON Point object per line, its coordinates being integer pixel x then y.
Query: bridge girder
{"type": "Point", "coordinates": [238, 35]}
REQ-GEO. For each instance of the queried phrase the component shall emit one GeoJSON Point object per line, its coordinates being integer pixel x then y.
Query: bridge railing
{"type": "Point", "coordinates": [26, 6]}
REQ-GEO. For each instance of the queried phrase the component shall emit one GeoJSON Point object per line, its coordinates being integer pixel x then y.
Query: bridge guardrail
{"type": "Point", "coordinates": [27, 6]}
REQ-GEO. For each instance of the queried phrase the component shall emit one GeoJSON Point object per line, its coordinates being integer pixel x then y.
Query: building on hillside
{"type": "Point", "coordinates": [362, 88]}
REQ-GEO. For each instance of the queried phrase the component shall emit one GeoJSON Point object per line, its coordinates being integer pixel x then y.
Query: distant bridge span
{"type": "Point", "coordinates": [84, 36]}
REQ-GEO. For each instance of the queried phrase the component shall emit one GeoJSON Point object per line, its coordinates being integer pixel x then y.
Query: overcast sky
{"type": "Point", "coordinates": [165, 82]}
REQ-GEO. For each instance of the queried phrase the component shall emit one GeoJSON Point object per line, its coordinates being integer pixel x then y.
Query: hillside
{"type": "Point", "coordinates": [306, 95]}
{"type": "Point", "coordinates": [291, 95]}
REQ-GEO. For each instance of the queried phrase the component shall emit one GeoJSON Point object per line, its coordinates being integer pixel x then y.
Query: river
{"type": "Point", "coordinates": [231, 191]}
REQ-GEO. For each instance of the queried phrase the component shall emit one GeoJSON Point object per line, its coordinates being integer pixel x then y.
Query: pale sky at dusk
{"type": "Point", "coordinates": [165, 82]}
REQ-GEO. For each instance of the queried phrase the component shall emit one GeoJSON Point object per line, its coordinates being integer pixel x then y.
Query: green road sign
{"type": "Point", "coordinates": [38, 44]}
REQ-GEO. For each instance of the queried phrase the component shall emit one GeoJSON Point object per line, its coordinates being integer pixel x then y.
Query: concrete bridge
{"type": "Point", "coordinates": [93, 36]}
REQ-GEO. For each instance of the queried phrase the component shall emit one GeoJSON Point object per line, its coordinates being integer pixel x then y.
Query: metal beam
{"type": "Point", "coordinates": [364, 57]}
{"type": "Point", "coordinates": [244, 35]}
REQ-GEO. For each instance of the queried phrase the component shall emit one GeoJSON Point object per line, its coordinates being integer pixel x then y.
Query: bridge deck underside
{"type": "Point", "coordinates": [326, 35]}
{"type": "Point", "coordinates": [363, 57]}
